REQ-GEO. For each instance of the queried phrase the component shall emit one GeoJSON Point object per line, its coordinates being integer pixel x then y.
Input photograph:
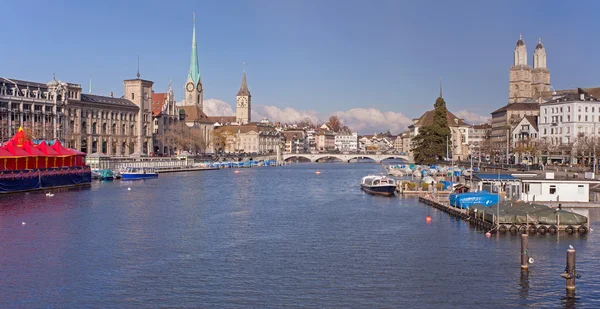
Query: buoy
{"type": "Point", "coordinates": [23, 223]}
{"type": "Point", "coordinates": [51, 195]}
{"type": "Point", "coordinates": [428, 219]}
{"type": "Point", "coordinates": [488, 234]}
{"type": "Point", "coordinates": [236, 172]}
{"type": "Point", "coordinates": [318, 172]}
{"type": "Point", "coordinates": [128, 189]}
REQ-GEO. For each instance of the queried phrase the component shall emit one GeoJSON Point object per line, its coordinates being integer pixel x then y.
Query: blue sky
{"type": "Point", "coordinates": [325, 56]}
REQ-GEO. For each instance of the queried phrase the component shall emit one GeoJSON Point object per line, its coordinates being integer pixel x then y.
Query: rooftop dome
{"type": "Point", "coordinates": [520, 42]}
{"type": "Point", "coordinates": [539, 45]}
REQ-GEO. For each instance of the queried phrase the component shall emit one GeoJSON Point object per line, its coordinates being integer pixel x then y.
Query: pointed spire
{"type": "Point", "coordinates": [90, 84]}
{"type": "Point", "coordinates": [244, 91]}
{"type": "Point", "coordinates": [138, 72]}
{"type": "Point", "coordinates": [440, 87]}
{"type": "Point", "coordinates": [194, 74]}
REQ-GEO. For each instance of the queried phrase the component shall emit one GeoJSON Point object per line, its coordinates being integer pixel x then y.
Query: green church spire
{"type": "Point", "coordinates": [194, 70]}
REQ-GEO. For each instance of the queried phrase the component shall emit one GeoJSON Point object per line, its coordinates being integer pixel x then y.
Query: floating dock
{"type": "Point", "coordinates": [479, 220]}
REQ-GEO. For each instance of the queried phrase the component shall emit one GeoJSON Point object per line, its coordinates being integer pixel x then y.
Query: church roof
{"type": "Point", "coordinates": [194, 74]}
{"type": "Point", "coordinates": [427, 119]}
{"type": "Point", "coordinates": [244, 91]}
{"type": "Point", "coordinates": [194, 114]}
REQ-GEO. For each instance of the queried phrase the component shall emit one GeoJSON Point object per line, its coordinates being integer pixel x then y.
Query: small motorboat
{"type": "Point", "coordinates": [136, 173]}
{"type": "Point", "coordinates": [378, 185]}
{"type": "Point", "coordinates": [106, 175]}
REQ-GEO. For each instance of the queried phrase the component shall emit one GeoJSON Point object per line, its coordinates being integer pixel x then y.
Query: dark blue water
{"type": "Point", "coordinates": [269, 238]}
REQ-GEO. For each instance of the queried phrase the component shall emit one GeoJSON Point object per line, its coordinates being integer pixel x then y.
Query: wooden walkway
{"type": "Point", "coordinates": [478, 221]}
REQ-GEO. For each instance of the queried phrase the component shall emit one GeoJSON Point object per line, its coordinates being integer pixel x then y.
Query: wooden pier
{"type": "Point", "coordinates": [478, 220]}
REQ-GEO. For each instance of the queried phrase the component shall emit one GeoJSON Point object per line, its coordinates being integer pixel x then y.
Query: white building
{"type": "Point", "coordinates": [565, 119]}
{"type": "Point", "coordinates": [524, 131]}
{"type": "Point", "coordinates": [346, 142]}
{"type": "Point", "coordinates": [548, 189]}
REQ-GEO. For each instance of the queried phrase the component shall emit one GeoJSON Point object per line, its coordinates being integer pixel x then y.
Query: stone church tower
{"type": "Point", "coordinates": [243, 100]}
{"type": "Point", "coordinates": [541, 74]}
{"type": "Point", "coordinates": [193, 86]}
{"type": "Point", "coordinates": [520, 75]}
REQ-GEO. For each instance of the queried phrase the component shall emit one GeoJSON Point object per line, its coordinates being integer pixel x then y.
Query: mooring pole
{"type": "Point", "coordinates": [524, 245]}
{"type": "Point", "coordinates": [570, 273]}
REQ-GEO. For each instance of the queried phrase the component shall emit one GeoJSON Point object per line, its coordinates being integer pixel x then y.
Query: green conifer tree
{"type": "Point", "coordinates": [429, 145]}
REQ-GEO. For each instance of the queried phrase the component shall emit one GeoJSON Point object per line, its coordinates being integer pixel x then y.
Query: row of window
{"type": "Point", "coordinates": [557, 119]}
{"type": "Point", "coordinates": [581, 130]}
{"type": "Point", "coordinates": [554, 110]}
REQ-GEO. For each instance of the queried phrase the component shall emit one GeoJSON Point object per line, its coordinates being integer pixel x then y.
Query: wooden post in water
{"type": "Point", "coordinates": [570, 273]}
{"type": "Point", "coordinates": [524, 245]}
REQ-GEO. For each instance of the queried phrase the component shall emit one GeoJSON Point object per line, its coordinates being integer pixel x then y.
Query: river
{"type": "Point", "coordinates": [279, 237]}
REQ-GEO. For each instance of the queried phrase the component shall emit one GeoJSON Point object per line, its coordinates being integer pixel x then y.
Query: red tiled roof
{"type": "Point", "coordinates": [158, 101]}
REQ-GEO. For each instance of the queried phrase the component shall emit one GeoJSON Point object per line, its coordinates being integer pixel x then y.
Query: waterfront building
{"type": "Point", "coordinates": [294, 141]}
{"type": "Point", "coordinates": [246, 138]}
{"type": "Point", "coordinates": [165, 115]}
{"type": "Point", "coordinates": [506, 117]}
{"type": "Point", "coordinates": [549, 189]}
{"type": "Point", "coordinates": [325, 140]}
{"type": "Point", "coordinates": [86, 122]}
{"type": "Point", "coordinates": [568, 124]}
{"type": "Point", "coordinates": [459, 139]}
{"type": "Point", "coordinates": [346, 142]}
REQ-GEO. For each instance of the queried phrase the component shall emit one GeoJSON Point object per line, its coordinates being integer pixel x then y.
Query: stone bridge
{"type": "Point", "coordinates": [316, 157]}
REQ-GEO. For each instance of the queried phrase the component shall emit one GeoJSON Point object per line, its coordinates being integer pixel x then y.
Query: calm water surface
{"type": "Point", "coordinates": [269, 238]}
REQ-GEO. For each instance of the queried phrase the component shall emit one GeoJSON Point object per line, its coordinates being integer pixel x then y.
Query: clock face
{"type": "Point", "coordinates": [199, 87]}
{"type": "Point", "coordinates": [189, 87]}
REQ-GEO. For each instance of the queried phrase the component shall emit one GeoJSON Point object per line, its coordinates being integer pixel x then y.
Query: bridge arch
{"type": "Point", "coordinates": [297, 156]}
{"type": "Point", "coordinates": [358, 157]}
{"type": "Point", "coordinates": [328, 156]}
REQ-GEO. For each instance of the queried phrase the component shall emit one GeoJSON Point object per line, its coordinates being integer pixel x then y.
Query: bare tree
{"type": "Point", "coordinates": [335, 123]}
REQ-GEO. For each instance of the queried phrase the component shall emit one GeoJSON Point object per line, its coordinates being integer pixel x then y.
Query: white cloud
{"type": "Point", "coordinates": [362, 120]}
{"type": "Point", "coordinates": [371, 120]}
{"type": "Point", "coordinates": [472, 118]}
{"type": "Point", "coordinates": [286, 115]}
{"type": "Point", "coordinates": [214, 107]}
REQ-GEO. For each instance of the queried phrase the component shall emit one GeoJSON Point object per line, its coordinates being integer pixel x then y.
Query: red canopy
{"type": "Point", "coordinates": [5, 154]}
{"type": "Point", "coordinates": [19, 138]}
{"type": "Point", "coordinates": [31, 149]}
{"type": "Point", "coordinates": [12, 147]}
{"type": "Point", "coordinates": [58, 147]}
{"type": "Point", "coordinates": [49, 151]}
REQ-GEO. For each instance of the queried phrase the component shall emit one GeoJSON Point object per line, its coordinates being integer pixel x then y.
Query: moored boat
{"type": "Point", "coordinates": [106, 175]}
{"type": "Point", "coordinates": [136, 173]}
{"type": "Point", "coordinates": [378, 185]}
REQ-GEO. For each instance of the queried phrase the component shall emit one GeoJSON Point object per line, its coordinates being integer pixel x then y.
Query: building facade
{"type": "Point", "coordinates": [294, 141]}
{"type": "Point", "coordinates": [86, 122]}
{"type": "Point", "coordinates": [325, 140]}
{"type": "Point", "coordinates": [165, 116]}
{"type": "Point", "coordinates": [525, 83]}
{"type": "Point", "coordinates": [570, 119]}
{"type": "Point", "coordinates": [478, 133]}
{"type": "Point", "coordinates": [247, 138]}
{"type": "Point", "coordinates": [346, 142]}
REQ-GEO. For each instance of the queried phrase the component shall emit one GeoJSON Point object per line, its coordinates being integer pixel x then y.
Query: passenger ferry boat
{"type": "Point", "coordinates": [136, 173]}
{"type": "Point", "coordinates": [378, 185]}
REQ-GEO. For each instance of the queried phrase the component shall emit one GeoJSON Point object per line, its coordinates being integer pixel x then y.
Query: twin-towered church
{"type": "Point", "coordinates": [194, 93]}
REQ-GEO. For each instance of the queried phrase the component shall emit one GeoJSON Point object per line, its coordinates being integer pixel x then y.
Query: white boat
{"type": "Point", "coordinates": [135, 173]}
{"type": "Point", "coordinates": [378, 185]}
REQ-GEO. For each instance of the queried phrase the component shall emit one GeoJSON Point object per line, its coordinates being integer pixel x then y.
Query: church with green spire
{"type": "Point", "coordinates": [193, 86]}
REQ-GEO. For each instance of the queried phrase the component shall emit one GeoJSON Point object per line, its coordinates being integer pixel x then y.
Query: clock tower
{"type": "Point", "coordinates": [193, 86]}
{"type": "Point", "coordinates": [243, 102]}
